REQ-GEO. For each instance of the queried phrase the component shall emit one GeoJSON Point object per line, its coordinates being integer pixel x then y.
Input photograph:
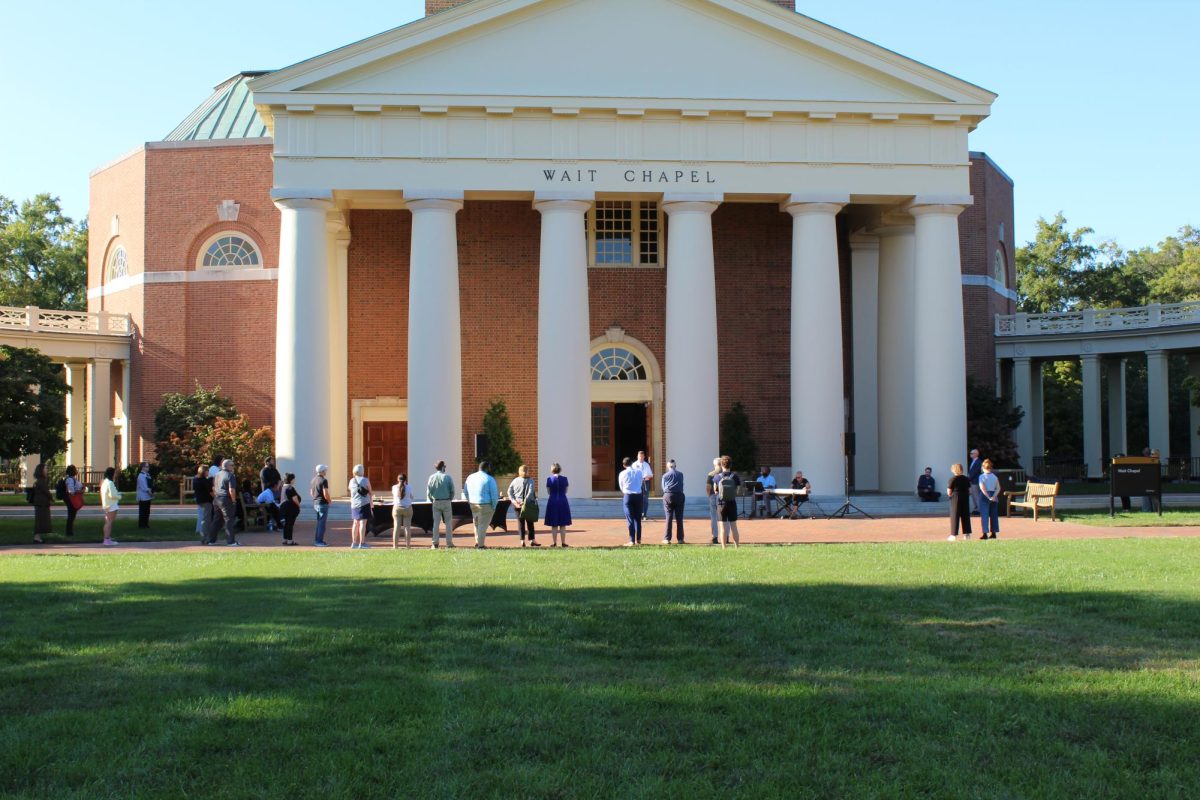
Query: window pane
{"type": "Point", "coordinates": [648, 233]}
{"type": "Point", "coordinates": [614, 233]}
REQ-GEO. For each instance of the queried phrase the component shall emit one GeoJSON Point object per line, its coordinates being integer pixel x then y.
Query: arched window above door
{"type": "Point", "coordinates": [617, 364]}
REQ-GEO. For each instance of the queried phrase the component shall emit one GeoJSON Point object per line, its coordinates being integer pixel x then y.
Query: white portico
{"type": "Point", "coordinates": [487, 102]}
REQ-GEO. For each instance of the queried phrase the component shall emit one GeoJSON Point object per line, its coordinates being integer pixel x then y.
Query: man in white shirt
{"type": "Point", "coordinates": [643, 466]}
{"type": "Point", "coordinates": [482, 493]}
{"type": "Point", "coordinates": [632, 485]}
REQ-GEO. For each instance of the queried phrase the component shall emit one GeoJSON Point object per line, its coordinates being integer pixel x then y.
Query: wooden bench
{"type": "Point", "coordinates": [1035, 496]}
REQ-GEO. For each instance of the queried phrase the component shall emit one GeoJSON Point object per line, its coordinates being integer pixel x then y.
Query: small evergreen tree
{"type": "Point", "coordinates": [737, 440]}
{"type": "Point", "coordinates": [504, 458]}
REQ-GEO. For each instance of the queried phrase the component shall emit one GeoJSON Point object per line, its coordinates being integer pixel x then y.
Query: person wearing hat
{"type": "Point", "coordinates": [318, 490]}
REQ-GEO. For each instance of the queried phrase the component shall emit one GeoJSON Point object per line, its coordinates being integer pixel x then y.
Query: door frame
{"type": "Point", "coordinates": [649, 391]}
{"type": "Point", "coordinates": [374, 409]}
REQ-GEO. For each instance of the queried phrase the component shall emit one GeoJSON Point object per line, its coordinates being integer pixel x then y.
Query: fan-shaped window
{"type": "Point", "coordinates": [118, 264]}
{"type": "Point", "coordinates": [230, 250]}
{"type": "Point", "coordinates": [1000, 267]}
{"type": "Point", "coordinates": [617, 364]}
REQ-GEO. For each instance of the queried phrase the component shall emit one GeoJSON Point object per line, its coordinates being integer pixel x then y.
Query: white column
{"type": "Point", "coordinates": [818, 390]}
{"type": "Point", "coordinates": [940, 424]}
{"type": "Point", "coordinates": [1193, 410]}
{"type": "Point", "coordinates": [1159, 407]}
{"type": "Point", "coordinates": [691, 384]}
{"type": "Point", "coordinates": [76, 413]}
{"type": "Point", "coordinates": [302, 369]}
{"type": "Point", "coordinates": [1023, 397]}
{"type": "Point", "coordinates": [339, 384]}
{"type": "Point", "coordinates": [1118, 439]}
{"type": "Point", "coordinates": [864, 275]}
{"type": "Point", "coordinates": [28, 463]}
{"type": "Point", "coordinates": [564, 341]}
{"type": "Point", "coordinates": [897, 347]}
{"type": "Point", "coordinates": [1092, 458]}
{"type": "Point", "coordinates": [128, 452]}
{"type": "Point", "coordinates": [1037, 408]}
{"type": "Point", "coordinates": [100, 439]}
{"type": "Point", "coordinates": [435, 425]}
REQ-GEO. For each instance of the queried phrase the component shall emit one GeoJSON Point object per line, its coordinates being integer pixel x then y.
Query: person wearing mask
{"type": "Point", "coordinates": [145, 495]}
{"type": "Point", "coordinates": [522, 493]}
{"type": "Point", "coordinates": [440, 491]}
{"type": "Point", "coordinates": [360, 508]}
{"type": "Point", "coordinates": [318, 492]}
{"type": "Point", "coordinates": [959, 492]}
{"type": "Point", "coordinates": [630, 481]}
{"type": "Point", "coordinates": [673, 501]}
{"type": "Point", "coordinates": [110, 502]}
{"type": "Point", "coordinates": [558, 508]}
{"type": "Point", "coordinates": [202, 489]}
{"type": "Point", "coordinates": [727, 483]}
{"type": "Point", "coordinates": [483, 495]}
{"type": "Point", "coordinates": [402, 500]}
{"type": "Point", "coordinates": [289, 508]}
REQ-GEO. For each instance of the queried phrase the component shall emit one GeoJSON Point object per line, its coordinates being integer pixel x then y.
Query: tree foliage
{"type": "Point", "coordinates": [737, 439]}
{"type": "Point", "coordinates": [991, 423]}
{"type": "Point", "coordinates": [43, 255]}
{"type": "Point", "coordinates": [496, 426]}
{"type": "Point", "coordinates": [33, 412]}
{"type": "Point", "coordinates": [180, 413]}
{"type": "Point", "coordinates": [230, 437]}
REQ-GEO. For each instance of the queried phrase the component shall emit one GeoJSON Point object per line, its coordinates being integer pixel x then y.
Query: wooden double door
{"type": "Point", "coordinates": [619, 430]}
{"type": "Point", "coordinates": [385, 452]}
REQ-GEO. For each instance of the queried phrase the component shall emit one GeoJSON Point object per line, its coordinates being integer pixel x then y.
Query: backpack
{"type": "Point", "coordinates": [728, 489]}
{"type": "Point", "coordinates": [60, 489]}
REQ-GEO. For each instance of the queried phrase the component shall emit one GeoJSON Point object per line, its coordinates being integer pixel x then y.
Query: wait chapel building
{"type": "Point", "coordinates": [496, 202]}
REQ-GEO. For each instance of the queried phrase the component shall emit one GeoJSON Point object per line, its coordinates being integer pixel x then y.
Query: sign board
{"type": "Point", "coordinates": [1135, 476]}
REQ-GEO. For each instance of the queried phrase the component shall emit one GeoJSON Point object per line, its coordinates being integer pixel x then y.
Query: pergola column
{"type": "Point", "coordinates": [1118, 439]}
{"type": "Point", "coordinates": [1023, 398]}
{"type": "Point", "coordinates": [1037, 409]}
{"type": "Point", "coordinates": [564, 341]}
{"type": "Point", "coordinates": [1159, 406]}
{"type": "Point", "coordinates": [864, 276]}
{"type": "Point", "coordinates": [692, 404]}
{"type": "Point", "coordinates": [100, 438]}
{"type": "Point", "coordinates": [76, 412]}
{"type": "Point", "coordinates": [940, 422]}
{"type": "Point", "coordinates": [302, 329]}
{"type": "Point", "coordinates": [897, 353]}
{"type": "Point", "coordinates": [818, 392]}
{"type": "Point", "coordinates": [1090, 371]}
{"type": "Point", "coordinates": [1194, 411]}
{"type": "Point", "coordinates": [435, 426]}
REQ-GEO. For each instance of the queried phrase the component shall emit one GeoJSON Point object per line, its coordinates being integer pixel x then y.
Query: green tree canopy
{"type": "Point", "coordinates": [181, 415]}
{"type": "Point", "coordinates": [43, 255]}
{"type": "Point", "coordinates": [1171, 270]}
{"type": "Point", "coordinates": [990, 426]}
{"type": "Point", "coordinates": [504, 457]}
{"type": "Point", "coordinates": [737, 439]}
{"type": "Point", "coordinates": [33, 412]}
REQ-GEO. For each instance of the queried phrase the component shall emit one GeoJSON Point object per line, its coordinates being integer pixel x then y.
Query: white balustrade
{"type": "Point", "coordinates": [1099, 320]}
{"type": "Point", "coordinates": [39, 320]}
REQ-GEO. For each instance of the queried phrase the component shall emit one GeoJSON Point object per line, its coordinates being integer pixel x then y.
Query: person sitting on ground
{"type": "Point", "coordinates": [799, 483]}
{"type": "Point", "coordinates": [927, 487]}
{"type": "Point", "coordinates": [763, 496]}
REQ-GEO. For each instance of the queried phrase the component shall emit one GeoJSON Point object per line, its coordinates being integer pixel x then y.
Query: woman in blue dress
{"type": "Point", "coordinates": [558, 510]}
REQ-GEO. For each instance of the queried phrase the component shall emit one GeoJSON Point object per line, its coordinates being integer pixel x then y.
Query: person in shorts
{"type": "Point", "coordinates": [726, 483]}
{"type": "Point", "coordinates": [360, 508]}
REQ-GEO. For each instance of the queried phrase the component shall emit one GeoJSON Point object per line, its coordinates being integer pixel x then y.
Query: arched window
{"type": "Point", "coordinates": [230, 250]}
{"type": "Point", "coordinates": [1000, 266]}
{"type": "Point", "coordinates": [118, 264]}
{"type": "Point", "coordinates": [617, 364]}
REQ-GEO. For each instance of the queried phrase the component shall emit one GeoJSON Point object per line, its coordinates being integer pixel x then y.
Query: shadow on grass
{"type": "Point", "coordinates": [297, 686]}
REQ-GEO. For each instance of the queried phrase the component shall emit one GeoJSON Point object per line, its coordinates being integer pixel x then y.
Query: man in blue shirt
{"type": "Point", "coordinates": [673, 500]}
{"type": "Point", "coordinates": [482, 494]}
{"type": "Point", "coordinates": [145, 494]}
{"type": "Point", "coordinates": [440, 491]}
{"type": "Point", "coordinates": [630, 481]}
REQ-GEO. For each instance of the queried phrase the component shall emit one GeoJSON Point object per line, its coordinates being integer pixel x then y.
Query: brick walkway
{"type": "Point", "coordinates": [612, 533]}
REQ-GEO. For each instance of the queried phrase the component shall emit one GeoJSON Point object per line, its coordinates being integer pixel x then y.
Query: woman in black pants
{"type": "Point", "coordinates": [289, 508]}
{"type": "Point", "coordinates": [959, 492]}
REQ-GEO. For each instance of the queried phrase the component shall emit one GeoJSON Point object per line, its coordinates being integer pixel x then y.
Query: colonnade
{"type": "Point", "coordinates": [921, 248]}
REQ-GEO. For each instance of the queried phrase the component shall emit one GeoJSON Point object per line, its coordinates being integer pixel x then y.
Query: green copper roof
{"type": "Point", "coordinates": [228, 113]}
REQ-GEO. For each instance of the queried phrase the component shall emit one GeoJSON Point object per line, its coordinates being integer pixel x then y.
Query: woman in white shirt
{"type": "Point", "coordinates": [402, 500]}
{"type": "Point", "coordinates": [360, 508]}
{"type": "Point", "coordinates": [110, 501]}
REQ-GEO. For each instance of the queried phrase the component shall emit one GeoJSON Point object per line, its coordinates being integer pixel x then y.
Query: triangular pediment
{"type": "Point", "coordinates": [640, 49]}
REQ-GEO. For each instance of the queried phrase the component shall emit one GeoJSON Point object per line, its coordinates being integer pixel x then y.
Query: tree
{"type": "Point", "coordinates": [737, 440]}
{"type": "Point", "coordinates": [500, 452]}
{"type": "Point", "coordinates": [231, 437]}
{"type": "Point", "coordinates": [180, 413]}
{"type": "Point", "coordinates": [1172, 270]}
{"type": "Point", "coordinates": [1048, 267]}
{"type": "Point", "coordinates": [33, 412]}
{"type": "Point", "coordinates": [43, 255]}
{"type": "Point", "coordinates": [991, 423]}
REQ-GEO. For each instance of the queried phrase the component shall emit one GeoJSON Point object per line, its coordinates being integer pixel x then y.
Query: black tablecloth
{"type": "Point", "coordinates": [422, 516]}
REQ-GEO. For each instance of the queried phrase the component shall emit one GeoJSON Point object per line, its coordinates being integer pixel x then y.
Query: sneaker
{"type": "Point", "coordinates": [627, 544]}
{"type": "Point", "coordinates": [364, 546]}
{"type": "Point", "coordinates": [234, 544]}
{"type": "Point", "coordinates": [320, 544]}
{"type": "Point", "coordinates": [111, 542]}
{"type": "Point", "coordinates": [666, 541]}
{"type": "Point", "coordinates": [534, 544]}
{"type": "Point", "coordinates": [354, 546]}
{"type": "Point", "coordinates": [433, 547]}
{"type": "Point", "coordinates": [951, 538]}
{"type": "Point", "coordinates": [714, 541]}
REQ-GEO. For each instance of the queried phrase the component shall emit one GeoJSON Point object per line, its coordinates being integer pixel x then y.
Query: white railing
{"type": "Point", "coordinates": [42, 320]}
{"type": "Point", "coordinates": [1099, 320]}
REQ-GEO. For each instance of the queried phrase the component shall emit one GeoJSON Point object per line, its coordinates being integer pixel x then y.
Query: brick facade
{"type": "Point", "coordinates": [985, 229]}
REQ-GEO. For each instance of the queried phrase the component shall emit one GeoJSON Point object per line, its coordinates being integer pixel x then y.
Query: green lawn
{"type": "Point", "coordinates": [1041, 669]}
{"type": "Point", "coordinates": [90, 529]}
{"type": "Point", "coordinates": [89, 498]}
{"type": "Point", "coordinates": [1171, 518]}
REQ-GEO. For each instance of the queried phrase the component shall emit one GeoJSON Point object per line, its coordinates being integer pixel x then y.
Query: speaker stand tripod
{"type": "Point", "coordinates": [847, 508]}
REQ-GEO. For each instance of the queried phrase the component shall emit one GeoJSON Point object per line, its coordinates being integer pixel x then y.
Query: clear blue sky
{"type": "Point", "coordinates": [1098, 112]}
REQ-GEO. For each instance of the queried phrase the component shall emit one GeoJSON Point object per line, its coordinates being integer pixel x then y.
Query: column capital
{"type": "Point", "coordinates": [548, 197]}
{"type": "Point", "coordinates": [816, 203]}
{"type": "Point", "coordinates": [1022, 359]}
{"type": "Point", "coordinates": [862, 242]}
{"type": "Point", "coordinates": [572, 204]}
{"type": "Point", "coordinates": [944, 205]}
{"type": "Point", "coordinates": [413, 195]}
{"type": "Point", "coordinates": [102, 360]}
{"type": "Point", "coordinates": [682, 203]}
{"type": "Point", "coordinates": [434, 204]}
{"type": "Point", "coordinates": [296, 199]}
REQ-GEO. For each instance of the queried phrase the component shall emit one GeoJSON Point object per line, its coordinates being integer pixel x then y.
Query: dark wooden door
{"type": "Point", "coordinates": [604, 479]}
{"type": "Point", "coordinates": [385, 452]}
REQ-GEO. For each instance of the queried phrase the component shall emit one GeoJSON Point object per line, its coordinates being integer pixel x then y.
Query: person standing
{"type": "Point", "coordinates": [673, 501]}
{"type": "Point", "coordinates": [268, 476]}
{"type": "Point", "coordinates": [289, 508]}
{"type": "Point", "coordinates": [927, 487]}
{"type": "Point", "coordinates": [360, 508]}
{"type": "Point", "coordinates": [647, 475]}
{"type": "Point", "coordinates": [974, 470]}
{"type": "Point", "coordinates": [440, 491]}
{"type": "Point", "coordinates": [522, 493]}
{"type": "Point", "coordinates": [225, 505]}
{"type": "Point", "coordinates": [714, 502]}
{"type": "Point", "coordinates": [630, 481]}
{"type": "Point", "coordinates": [74, 500]}
{"type": "Point", "coordinates": [42, 500]}
{"type": "Point", "coordinates": [989, 493]}
{"type": "Point", "coordinates": [318, 491]}
{"type": "Point", "coordinates": [145, 494]}
{"type": "Point", "coordinates": [558, 509]}
{"type": "Point", "coordinates": [482, 494]}
{"type": "Point", "coordinates": [727, 483]}
{"type": "Point", "coordinates": [110, 502]}
{"type": "Point", "coordinates": [959, 492]}
{"type": "Point", "coordinates": [202, 489]}
{"type": "Point", "coordinates": [402, 500]}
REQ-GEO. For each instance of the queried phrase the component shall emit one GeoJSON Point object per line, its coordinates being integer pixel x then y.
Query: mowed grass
{"type": "Point", "coordinates": [90, 529]}
{"type": "Point", "coordinates": [1047, 669]}
{"type": "Point", "coordinates": [1171, 518]}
